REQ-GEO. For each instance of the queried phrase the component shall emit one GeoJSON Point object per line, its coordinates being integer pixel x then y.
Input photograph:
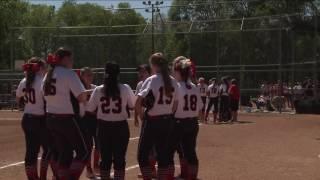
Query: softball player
{"type": "Point", "coordinates": [144, 71]}
{"type": "Point", "coordinates": [183, 162]}
{"type": "Point", "coordinates": [111, 100]}
{"type": "Point", "coordinates": [234, 93]}
{"type": "Point", "coordinates": [203, 90]}
{"type": "Point", "coordinates": [33, 121]}
{"type": "Point", "coordinates": [224, 113]}
{"type": "Point", "coordinates": [89, 123]}
{"type": "Point", "coordinates": [58, 86]}
{"type": "Point", "coordinates": [186, 120]}
{"type": "Point", "coordinates": [159, 91]}
{"type": "Point", "coordinates": [213, 94]}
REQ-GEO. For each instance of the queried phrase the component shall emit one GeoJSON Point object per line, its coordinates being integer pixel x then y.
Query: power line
{"type": "Point", "coordinates": [167, 22]}
{"type": "Point", "coordinates": [182, 4]}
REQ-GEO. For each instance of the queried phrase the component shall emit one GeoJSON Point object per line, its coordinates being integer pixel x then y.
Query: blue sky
{"type": "Point", "coordinates": [106, 3]}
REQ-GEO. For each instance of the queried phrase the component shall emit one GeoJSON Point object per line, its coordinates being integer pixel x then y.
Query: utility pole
{"type": "Point", "coordinates": [154, 8]}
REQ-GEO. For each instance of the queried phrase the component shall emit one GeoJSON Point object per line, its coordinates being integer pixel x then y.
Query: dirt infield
{"type": "Point", "coordinates": [262, 146]}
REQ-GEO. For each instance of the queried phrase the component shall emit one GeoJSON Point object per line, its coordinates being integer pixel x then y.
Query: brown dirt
{"type": "Point", "coordinates": [262, 146]}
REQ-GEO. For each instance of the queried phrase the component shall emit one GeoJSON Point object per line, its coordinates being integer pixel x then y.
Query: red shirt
{"type": "Point", "coordinates": [234, 92]}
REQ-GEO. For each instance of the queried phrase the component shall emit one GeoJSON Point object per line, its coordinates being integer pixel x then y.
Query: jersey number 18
{"type": "Point", "coordinates": [190, 102]}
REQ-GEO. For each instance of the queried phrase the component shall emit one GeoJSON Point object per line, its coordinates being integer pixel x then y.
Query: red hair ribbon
{"type": "Point", "coordinates": [52, 59]}
{"type": "Point", "coordinates": [33, 67]}
{"type": "Point", "coordinates": [78, 72]}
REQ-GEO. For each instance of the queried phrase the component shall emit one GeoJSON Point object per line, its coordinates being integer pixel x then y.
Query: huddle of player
{"type": "Point", "coordinates": [223, 98]}
{"type": "Point", "coordinates": [66, 115]}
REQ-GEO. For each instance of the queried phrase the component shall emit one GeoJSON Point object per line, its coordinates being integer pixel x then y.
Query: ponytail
{"type": "Point", "coordinates": [31, 68]}
{"type": "Point", "coordinates": [111, 80]}
{"type": "Point", "coordinates": [53, 60]}
{"type": "Point", "coordinates": [48, 80]}
{"type": "Point", "coordinates": [166, 80]}
{"type": "Point", "coordinates": [30, 76]}
{"type": "Point", "coordinates": [184, 68]}
{"type": "Point", "coordinates": [158, 60]}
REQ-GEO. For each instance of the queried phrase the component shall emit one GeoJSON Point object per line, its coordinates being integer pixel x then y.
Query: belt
{"type": "Point", "coordinates": [35, 115]}
{"type": "Point", "coordinates": [167, 116]}
{"type": "Point", "coordinates": [186, 119]}
{"type": "Point", "coordinates": [111, 122]}
{"type": "Point", "coordinates": [60, 115]}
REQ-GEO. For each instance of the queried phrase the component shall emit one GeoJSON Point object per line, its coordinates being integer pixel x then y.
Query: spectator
{"type": "Point", "coordinates": [234, 94]}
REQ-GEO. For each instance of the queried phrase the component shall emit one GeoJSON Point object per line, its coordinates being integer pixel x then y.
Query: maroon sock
{"type": "Point", "coordinates": [146, 172]}
{"type": "Point", "coordinates": [192, 172]}
{"type": "Point", "coordinates": [119, 174]}
{"type": "Point", "coordinates": [76, 169]}
{"type": "Point", "coordinates": [183, 168]}
{"type": "Point", "coordinates": [105, 174]}
{"type": "Point", "coordinates": [32, 172]}
{"type": "Point", "coordinates": [171, 172]}
{"type": "Point", "coordinates": [63, 173]}
{"type": "Point", "coordinates": [43, 169]}
{"type": "Point", "coordinates": [162, 173]}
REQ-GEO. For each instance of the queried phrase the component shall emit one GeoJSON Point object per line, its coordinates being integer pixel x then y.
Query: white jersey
{"type": "Point", "coordinates": [213, 91]}
{"type": "Point", "coordinates": [139, 86]}
{"type": "Point", "coordinates": [64, 82]}
{"type": "Point", "coordinates": [112, 109]}
{"type": "Point", "coordinates": [34, 102]}
{"type": "Point", "coordinates": [223, 90]}
{"type": "Point", "coordinates": [190, 102]}
{"type": "Point", "coordinates": [82, 106]}
{"type": "Point", "coordinates": [203, 89]}
{"type": "Point", "coordinates": [163, 105]}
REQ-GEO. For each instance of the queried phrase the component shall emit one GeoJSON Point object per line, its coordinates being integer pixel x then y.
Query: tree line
{"type": "Point", "coordinates": [209, 32]}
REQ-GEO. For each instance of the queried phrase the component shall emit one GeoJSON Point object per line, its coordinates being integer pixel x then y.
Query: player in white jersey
{"type": "Point", "coordinates": [160, 94]}
{"type": "Point", "coordinates": [33, 121]}
{"type": "Point", "coordinates": [186, 120]}
{"type": "Point", "coordinates": [213, 94]}
{"type": "Point", "coordinates": [144, 71]}
{"type": "Point", "coordinates": [203, 90]}
{"type": "Point", "coordinates": [89, 123]}
{"type": "Point", "coordinates": [59, 85]}
{"type": "Point", "coordinates": [111, 100]}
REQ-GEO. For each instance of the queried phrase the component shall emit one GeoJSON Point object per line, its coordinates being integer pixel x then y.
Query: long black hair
{"type": "Point", "coordinates": [225, 81]}
{"type": "Point", "coordinates": [58, 56]}
{"type": "Point", "coordinates": [111, 80]}
{"type": "Point", "coordinates": [159, 60]}
{"type": "Point", "coordinates": [31, 71]}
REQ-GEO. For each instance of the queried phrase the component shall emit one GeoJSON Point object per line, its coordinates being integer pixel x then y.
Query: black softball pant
{"type": "Point", "coordinates": [184, 138]}
{"type": "Point", "coordinates": [204, 101]}
{"type": "Point", "coordinates": [36, 137]}
{"type": "Point", "coordinates": [113, 138]}
{"type": "Point", "coordinates": [224, 106]}
{"type": "Point", "coordinates": [155, 134]}
{"type": "Point", "coordinates": [213, 102]}
{"type": "Point", "coordinates": [68, 138]}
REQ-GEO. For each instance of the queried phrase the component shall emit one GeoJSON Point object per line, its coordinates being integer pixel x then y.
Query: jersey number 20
{"type": "Point", "coordinates": [106, 104]}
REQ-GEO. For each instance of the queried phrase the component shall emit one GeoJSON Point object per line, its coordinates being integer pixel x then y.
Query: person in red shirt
{"type": "Point", "coordinates": [234, 94]}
